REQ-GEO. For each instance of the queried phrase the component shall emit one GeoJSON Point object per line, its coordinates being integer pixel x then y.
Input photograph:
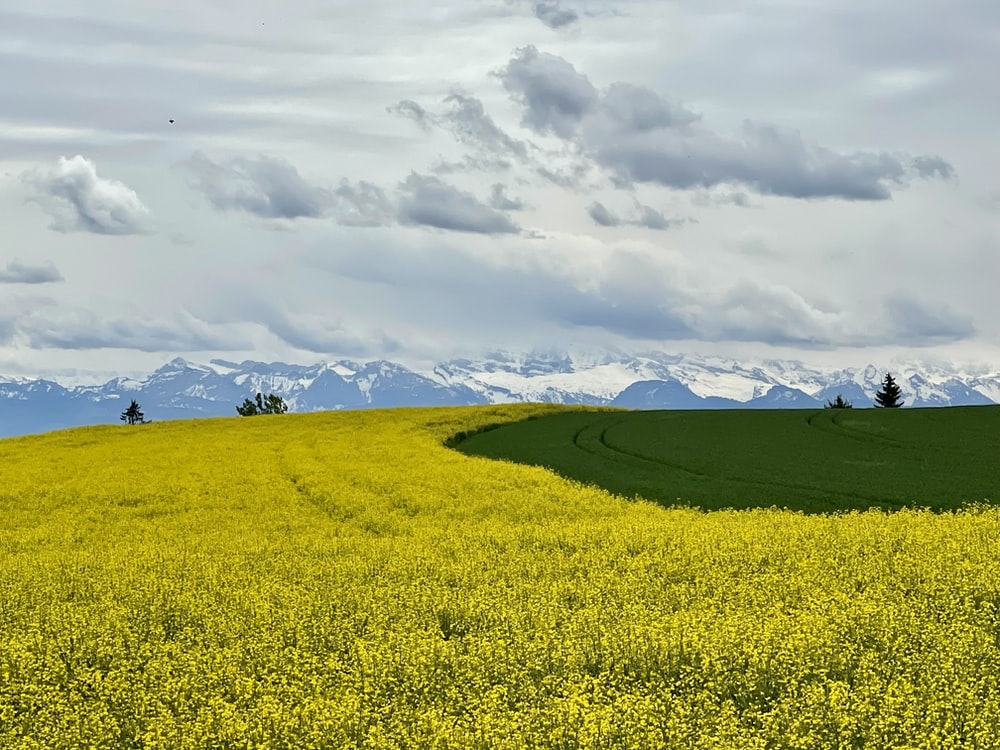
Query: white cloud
{"type": "Point", "coordinates": [787, 123]}
{"type": "Point", "coordinates": [640, 137]}
{"type": "Point", "coordinates": [78, 200]}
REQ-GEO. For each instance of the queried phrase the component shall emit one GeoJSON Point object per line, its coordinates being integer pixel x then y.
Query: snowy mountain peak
{"type": "Point", "coordinates": [177, 363]}
{"type": "Point", "coordinates": [649, 380]}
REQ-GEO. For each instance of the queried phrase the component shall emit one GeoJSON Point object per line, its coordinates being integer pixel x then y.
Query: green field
{"type": "Point", "coordinates": [812, 461]}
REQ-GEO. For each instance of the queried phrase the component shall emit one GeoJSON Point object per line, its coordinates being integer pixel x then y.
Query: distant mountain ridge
{"type": "Point", "coordinates": [182, 389]}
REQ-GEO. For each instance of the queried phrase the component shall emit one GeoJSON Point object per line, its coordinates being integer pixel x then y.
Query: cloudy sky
{"type": "Point", "coordinates": [319, 179]}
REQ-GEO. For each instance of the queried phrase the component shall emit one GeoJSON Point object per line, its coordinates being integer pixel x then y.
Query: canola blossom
{"type": "Point", "coordinates": [344, 580]}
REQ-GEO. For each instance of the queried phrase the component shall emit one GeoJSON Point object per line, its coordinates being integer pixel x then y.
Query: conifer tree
{"type": "Point", "coordinates": [132, 414]}
{"type": "Point", "coordinates": [839, 403]}
{"type": "Point", "coordinates": [889, 397]}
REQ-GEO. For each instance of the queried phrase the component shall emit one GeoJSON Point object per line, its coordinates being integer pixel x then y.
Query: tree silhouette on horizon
{"type": "Point", "coordinates": [271, 404]}
{"type": "Point", "coordinates": [839, 403]}
{"type": "Point", "coordinates": [889, 396]}
{"type": "Point", "coordinates": [132, 414]}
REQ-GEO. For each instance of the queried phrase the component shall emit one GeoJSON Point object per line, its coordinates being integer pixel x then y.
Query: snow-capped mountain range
{"type": "Point", "coordinates": [182, 389]}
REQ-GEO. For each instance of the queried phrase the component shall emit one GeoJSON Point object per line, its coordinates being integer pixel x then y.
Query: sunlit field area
{"type": "Point", "coordinates": [345, 580]}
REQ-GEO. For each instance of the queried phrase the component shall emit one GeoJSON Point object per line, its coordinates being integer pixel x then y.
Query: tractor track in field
{"type": "Point", "coordinates": [628, 456]}
{"type": "Point", "coordinates": [851, 433]}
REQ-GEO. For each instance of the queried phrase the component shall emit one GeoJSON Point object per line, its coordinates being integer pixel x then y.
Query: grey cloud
{"type": "Point", "coordinates": [431, 202]}
{"type": "Point", "coordinates": [640, 137]}
{"type": "Point", "coordinates": [650, 218]}
{"type": "Point", "coordinates": [18, 272]}
{"type": "Point", "coordinates": [78, 200]}
{"type": "Point", "coordinates": [468, 121]}
{"type": "Point", "coordinates": [624, 301]}
{"type": "Point", "coordinates": [470, 163]}
{"type": "Point", "coordinates": [646, 216]}
{"type": "Point", "coordinates": [558, 178]}
{"type": "Point", "coordinates": [914, 322]}
{"type": "Point", "coordinates": [554, 15]}
{"type": "Point", "coordinates": [635, 318]}
{"type": "Point", "coordinates": [502, 202]}
{"type": "Point", "coordinates": [634, 295]}
{"type": "Point", "coordinates": [320, 336]}
{"type": "Point", "coordinates": [573, 177]}
{"type": "Point", "coordinates": [412, 111]}
{"type": "Point", "coordinates": [471, 125]}
{"type": "Point", "coordinates": [773, 314]}
{"type": "Point", "coordinates": [636, 109]}
{"type": "Point", "coordinates": [84, 330]}
{"type": "Point", "coordinates": [271, 188]}
{"type": "Point", "coordinates": [266, 187]}
{"type": "Point", "coordinates": [600, 214]}
{"type": "Point", "coordinates": [767, 159]}
{"type": "Point", "coordinates": [932, 166]}
{"type": "Point", "coordinates": [362, 205]}
{"type": "Point", "coordinates": [555, 96]}
{"type": "Point", "coordinates": [8, 327]}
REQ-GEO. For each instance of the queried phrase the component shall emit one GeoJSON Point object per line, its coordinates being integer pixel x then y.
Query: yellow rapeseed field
{"type": "Point", "coordinates": [342, 580]}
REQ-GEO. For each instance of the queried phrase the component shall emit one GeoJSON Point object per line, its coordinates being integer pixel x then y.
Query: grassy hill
{"type": "Point", "coordinates": [813, 461]}
{"type": "Point", "coordinates": [342, 580]}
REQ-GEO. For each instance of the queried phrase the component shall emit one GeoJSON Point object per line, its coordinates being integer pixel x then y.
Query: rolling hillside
{"type": "Point", "coordinates": [344, 580]}
{"type": "Point", "coordinates": [182, 390]}
{"type": "Point", "coordinates": [814, 461]}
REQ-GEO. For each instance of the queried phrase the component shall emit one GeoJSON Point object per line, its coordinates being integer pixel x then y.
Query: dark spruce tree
{"type": "Point", "coordinates": [839, 403]}
{"type": "Point", "coordinates": [889, 397]}
{"type": "Point", "coordinates": [132, 414]}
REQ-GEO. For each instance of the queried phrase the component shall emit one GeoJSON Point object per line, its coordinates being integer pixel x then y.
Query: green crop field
{"type": "Point", "coordinates": [813, 461]}
{"type": "Point", "coordinates": [345, 580]}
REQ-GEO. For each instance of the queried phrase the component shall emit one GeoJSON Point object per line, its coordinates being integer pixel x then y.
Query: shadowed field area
{"type": "Point", "coordinates": [830, 460]}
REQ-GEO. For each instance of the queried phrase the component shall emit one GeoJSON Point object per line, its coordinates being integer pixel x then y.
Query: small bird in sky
{"type": "Point", "coordinates": [170, 121]}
